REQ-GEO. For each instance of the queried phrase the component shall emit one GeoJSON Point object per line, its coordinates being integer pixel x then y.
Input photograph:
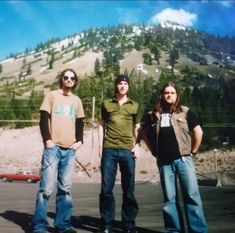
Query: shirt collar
{"type": "Point", "coordinates": [61, 91]}
{"type": "Point", "coordinates": [128, 100]}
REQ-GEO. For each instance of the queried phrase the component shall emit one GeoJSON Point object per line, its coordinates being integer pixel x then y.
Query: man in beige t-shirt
{"type": "Point", "coordinates": [61, 125]}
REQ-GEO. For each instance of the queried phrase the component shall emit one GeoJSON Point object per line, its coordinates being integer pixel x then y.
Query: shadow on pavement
{"type": "Point", "coordinates": [21, 219]}
{"type": "Point", "coordinates": [86, 223]}
{"type": "Point", "coordinates": [92, 224]}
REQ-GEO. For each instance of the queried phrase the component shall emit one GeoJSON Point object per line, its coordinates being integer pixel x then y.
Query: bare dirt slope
{"type": "Point", "coordinates": [22, 149]}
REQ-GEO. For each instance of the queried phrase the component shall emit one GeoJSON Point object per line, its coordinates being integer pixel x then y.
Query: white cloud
{"type": "Point", "coordinates": [179, 16]}
{"type": "Point", "coordinates": [23, 9]}
{"type": "Point", "coordinates": [127, 16]}
{"type": "Point", "coordinates": [225, 3]}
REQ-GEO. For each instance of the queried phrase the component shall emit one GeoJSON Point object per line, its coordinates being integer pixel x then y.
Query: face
{"type": "Point", "coordinates": [169, 95]}
{"type": "Point", "coordinates": [68, 79]}
{"type": "Point", "coordinates": [122, 88]}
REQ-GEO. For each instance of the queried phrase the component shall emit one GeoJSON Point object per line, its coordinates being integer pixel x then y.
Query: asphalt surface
{"type": "Point", "coordinates": [17, 202]}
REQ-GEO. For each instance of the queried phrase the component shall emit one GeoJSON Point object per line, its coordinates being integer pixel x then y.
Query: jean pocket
{"type": "Point", "coordinates": [72, 152]}
{"type": "Point", "coordinates": [189, 161]}
{"type": "Point", "coordinates": [49, 156]}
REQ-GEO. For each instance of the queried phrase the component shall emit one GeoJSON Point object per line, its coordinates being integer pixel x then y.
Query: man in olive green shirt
{"type": "Point", "coordinates": [117, 146]}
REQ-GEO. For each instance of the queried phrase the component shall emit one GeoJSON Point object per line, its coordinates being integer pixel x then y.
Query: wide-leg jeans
{"type": "Point", "coordinates": [109, 164]}
{"type": "Point", "coordinates": [185, 171]}
{"type": "Point", "coordinates": [57, 167]}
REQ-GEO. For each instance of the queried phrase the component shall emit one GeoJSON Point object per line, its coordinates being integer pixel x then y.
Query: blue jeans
{"type": "Point", "coordinates": [185, 171]}
{"type": "Point", "coordinates": [56, 168]}
{"type": "Point", "coordinates": [110, 160]}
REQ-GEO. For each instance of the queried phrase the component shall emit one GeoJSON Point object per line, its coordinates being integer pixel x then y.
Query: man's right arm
{"type": "Point", "coordinates": [101, 131]}
{"type": "Point", "coordinates": [44, 128]}
{"type": "Point", "coordinates": [148, 133]}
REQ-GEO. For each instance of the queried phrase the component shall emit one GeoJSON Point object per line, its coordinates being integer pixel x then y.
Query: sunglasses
{"type": "Point", "coordinates": [65, 78]}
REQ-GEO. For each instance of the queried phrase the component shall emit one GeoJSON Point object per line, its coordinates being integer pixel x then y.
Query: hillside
{"type": "Point", "coordinates": [41, 74]}
{"type": "Point", "coordinates": [147, 50]}
{"type": "Point", "coordinates": [22, 149]}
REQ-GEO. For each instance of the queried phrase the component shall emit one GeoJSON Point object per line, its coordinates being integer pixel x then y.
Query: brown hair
{"type": "Point", "coordinates": [61, 75]}
{"type": "Point", "coordinates": [161, 104]}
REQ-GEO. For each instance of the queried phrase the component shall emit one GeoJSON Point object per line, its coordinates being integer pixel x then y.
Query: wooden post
{"type": "Point", "coordinates": [92, 135]}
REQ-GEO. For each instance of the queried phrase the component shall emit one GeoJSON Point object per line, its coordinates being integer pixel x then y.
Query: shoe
{"type": "Point", "coordinates": [70, 230]}
{"type": "Point", "coordinates": [106, 231]}
{"type": "Point", "coordinates": [39, 231]}
{"type": "Point", "coordinates": [132, 230]}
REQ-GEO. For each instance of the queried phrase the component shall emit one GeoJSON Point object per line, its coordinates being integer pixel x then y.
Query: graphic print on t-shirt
{"type": "Point", "coordinates": [165, 120]}
{"type": "Point", "coordinates": [65, 110]}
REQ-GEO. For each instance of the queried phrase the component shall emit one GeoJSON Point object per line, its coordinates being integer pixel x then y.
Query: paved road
{"type": "Point", "coordinates": [17, 201]}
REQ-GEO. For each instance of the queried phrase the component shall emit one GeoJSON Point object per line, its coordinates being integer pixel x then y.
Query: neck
{"type": "Point", "coordinates": [121, 98]}
{"type": "Point", "coordinates": [66, 91]}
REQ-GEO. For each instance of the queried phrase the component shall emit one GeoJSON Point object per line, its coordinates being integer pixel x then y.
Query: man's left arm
{"type": "Point", "coordinates": [196, 139]}
{"type": "Point", "coordinates": [79, 126]}
{"type": "Point", "coordinates": [136, 131]}
{"type": "Point", "coordinates": [197, 132]}
{"type": "Point", "coordinates": [136, 149]}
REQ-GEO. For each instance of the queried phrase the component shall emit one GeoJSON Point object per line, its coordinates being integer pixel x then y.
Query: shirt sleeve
{"type": "Point", "coordinates": [104, 115]}
{"type": "Point", "coordinates": [80, 113]}
{"type": "Point", "coordinates": [47, 103]}
{"type": "Point", "coordinates": [193, 120]}
{"type": "Point", "coordinates": [138, 115]}
{"type": "Point", "coordinates": [44, 125]}
{"type": "Point", "coordinates": [79, 129]}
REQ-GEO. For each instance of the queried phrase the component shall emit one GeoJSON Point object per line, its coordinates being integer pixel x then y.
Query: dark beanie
{"type": "Point", "coordinates": [122, 78]}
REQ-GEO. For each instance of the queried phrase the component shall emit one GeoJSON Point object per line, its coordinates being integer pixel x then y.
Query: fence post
{"type": "Point", "coordinates": [216, 169]}
{"type": "Point", "coordinates": [92, 135]}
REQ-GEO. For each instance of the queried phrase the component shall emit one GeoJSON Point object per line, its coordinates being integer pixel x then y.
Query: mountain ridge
{"type": "Point", "coordinates": [121, 40]}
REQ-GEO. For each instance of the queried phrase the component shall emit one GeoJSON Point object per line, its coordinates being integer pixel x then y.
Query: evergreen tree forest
{"type": "Point", "coordinates": [213, 105]}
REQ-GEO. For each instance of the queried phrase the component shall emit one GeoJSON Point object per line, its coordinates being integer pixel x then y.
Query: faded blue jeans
{"type": "Point", "coordinates": [109, 164]}
{"type": "Point", "coordinates": [185, 171]}
{"type": "Point", "coordinates": [56, 168]}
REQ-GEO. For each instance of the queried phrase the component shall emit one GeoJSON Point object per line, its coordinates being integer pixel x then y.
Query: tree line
{"type": "Point", "coordinates": [211, 100]}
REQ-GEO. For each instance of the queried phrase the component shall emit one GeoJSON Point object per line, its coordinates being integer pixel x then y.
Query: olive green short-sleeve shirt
{"type": "Point", "coordinates": [119, 122]}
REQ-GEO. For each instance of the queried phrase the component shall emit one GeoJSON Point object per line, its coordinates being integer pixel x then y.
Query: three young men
{"type": "Point", "coordinates": [166, 133]}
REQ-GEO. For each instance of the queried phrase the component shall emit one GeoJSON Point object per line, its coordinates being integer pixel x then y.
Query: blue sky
{"type": "Point", "coordinates": [26, 23]}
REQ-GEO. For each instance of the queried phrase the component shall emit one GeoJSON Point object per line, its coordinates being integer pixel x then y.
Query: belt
{"type": "Point", "coordinates": [63, 148]}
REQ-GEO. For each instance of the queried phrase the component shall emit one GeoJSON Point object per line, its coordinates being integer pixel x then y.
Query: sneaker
{"type": "Point", "coordinates": [106, 231]}
{"type": "Point", "coordinates": [132, 230]}
{"type": "Point", "coordinates": [39, 231]}
{"type": "Point", "coordinates": [70, 230]}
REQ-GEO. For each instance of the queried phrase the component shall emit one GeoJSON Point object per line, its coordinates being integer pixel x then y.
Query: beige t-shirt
{"type": "Point", "coordinates": [64, 109]}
